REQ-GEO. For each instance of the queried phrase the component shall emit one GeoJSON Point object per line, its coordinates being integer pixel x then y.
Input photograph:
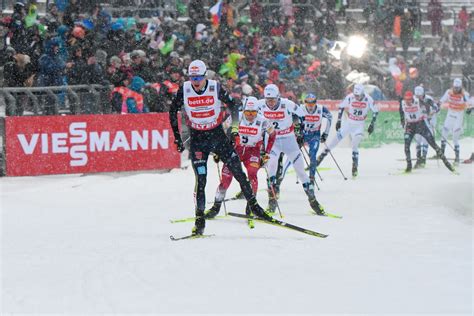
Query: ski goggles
{"type": "Point", "coordinates": [310, 102]}
{"type": "Point", "coordinates": [250, 112]}
{"type": "Point", "coordinates": [196, 78]}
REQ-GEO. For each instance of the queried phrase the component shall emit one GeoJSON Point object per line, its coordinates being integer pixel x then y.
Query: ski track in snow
{"type": "Point", "coordinates": [100, 244]}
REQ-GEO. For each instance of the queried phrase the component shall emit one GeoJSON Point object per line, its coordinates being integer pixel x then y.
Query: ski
{"type": "Point", "coordinates": [279, 223]}
{"type": "Point", "coordinates": [238, 196]}
{"type": "Point", "coordinates": [191, 219]}
{"type": "Point", "coordinates": [192, 236]}
{"type": "Point", "coordinates": [326, 214]}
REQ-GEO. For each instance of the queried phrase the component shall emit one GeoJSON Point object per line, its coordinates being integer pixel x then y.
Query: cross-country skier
{"type": "Point", "coordinates": [279, 111]}
{"type": "Point", "coordinates": [357, 105]}
{"type": "Point", "coordinates": [311, 128]}
{"type": "Point", "coordinates": [253, 129]}
{"type": "Point", "coordinates": [456, 99]}
{"type": "Point", "coordinates": [430, 109]}
{"type": "Point", "coordinates": [201, 99]}
{"type": "Point", "coordinates": [413, 119]}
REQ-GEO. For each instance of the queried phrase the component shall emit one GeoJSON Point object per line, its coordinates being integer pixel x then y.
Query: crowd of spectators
{"type": "Point", "coordinates": [79, 43]}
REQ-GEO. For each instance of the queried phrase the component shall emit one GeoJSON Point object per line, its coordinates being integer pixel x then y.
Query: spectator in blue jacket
{"type": "Point", "coordinates": [51, 65]}
{"type": "Point", "coordinates": [134, 105]}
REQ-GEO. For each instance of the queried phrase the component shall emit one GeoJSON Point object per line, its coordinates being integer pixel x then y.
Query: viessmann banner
{"type": "Point", "coordinates": [39, 145]}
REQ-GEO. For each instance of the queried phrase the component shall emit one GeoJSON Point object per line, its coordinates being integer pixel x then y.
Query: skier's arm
{"type": "Point", "coordinates": [402, 114]}
{"type": "Point", "coordinates": [328, 116]}
{"type": "Point", "coordinates": [374, 109]}
{"type": "Point", "coordinates": [344, 104]}
{"type": "Point", "coordinates": [176, 106]}
{"type": "Point", "coordinates": [232, 104]}
{"type": "Point", "coordinates": [444, 98]}
{"type": "Point", "coordinates": [271, 137]}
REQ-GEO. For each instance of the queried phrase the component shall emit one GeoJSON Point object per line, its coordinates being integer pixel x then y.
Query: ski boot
{"type": "Point", "coordinates": [355, 163]}
{"type": "Point", "coordinates": [276, 188]}
{"type": "Point", "coordinates": [199, 223]}
{"type": "Point", "coordinates": [418, 164]}
{"type": "Point", "coordinates": [272, 205]}
{"type": "Point", "coordinates": [321, 157]}
{"type": "Point", "coordinates": [272, 196]}
{"type": "Point", "coordinates": [469, 161]}
{"type": "Point", "coordinates": [213, 211]}
{"type": "Point", "coordinates": [456, 152]}
{"type": "Point", "coordinates": [445, 160]}
{"type": "Point", "coordinates": [409, 166]}
{"type": "Point", "coordinates": [424, 153]}
{"type": "Point", "coordinates": [309, 190]}
{"type": "Point", "coordinates": [257, 210]}
{"type": "Point", "coordinates": [443, 148]}
{"type": "Point", "coordinates": [250, 222]}
{"type": "Point", "coordinates": [418, 157]}
{"type": "Point", "coordinates": [354, 171]}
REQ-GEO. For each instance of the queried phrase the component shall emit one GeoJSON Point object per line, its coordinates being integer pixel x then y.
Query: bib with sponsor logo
{"type": "Point", "coordinates": [251, 134]}
{"type": "Point", "coordinates": [414, 112]}
{"type": "Point", "coordinates": [357, 110]}
{"type": "Point", "coordinates": [456, 101]}
{"type": "Point", "coordinates": [203, 111]}
{"type": "Point", "coordinates": [312, 121]}
{"type": "Point", "coordinates": [281, 118]}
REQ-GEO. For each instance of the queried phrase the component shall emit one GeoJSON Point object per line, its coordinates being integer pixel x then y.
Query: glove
{"type": "Point", "coordinates": [371, 128]}
{"type": "Point", "coordinates": [402, 122]}
{"type": "Point", "coordinates": [179, 144]}
{"type": "Point", "coordinates": [264, 157]}
{"type": "Point", "coordinates": [234, 133]}
{"type": "Point", "coordinates": [469, 110]}
{"type": "Point", "coordinates": [215, 157]}
{"type": "Point", "coordinates": [300, 140]}
{"type": "Point", "coordinates": [338, 125]}
{"type": "Point", "coordinates": [324, 137]}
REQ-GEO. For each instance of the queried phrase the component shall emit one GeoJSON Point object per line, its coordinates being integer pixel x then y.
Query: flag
{"type": "Point", "coordinates": [216, 11]}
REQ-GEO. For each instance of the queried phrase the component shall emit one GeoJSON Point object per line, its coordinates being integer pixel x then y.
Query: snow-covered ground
{"type": "Point", "coordinates": [100, 244]}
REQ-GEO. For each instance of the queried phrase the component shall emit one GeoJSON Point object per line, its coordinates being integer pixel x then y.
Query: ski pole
{"type": "Point", "coordinates": [220, 180]}
{"type": "Point", "coordinates": [307, 164]}
{"type": "Point", "coordinates": [319, 175]}
{"type": "Point", "coordinates": [273, 192]}
{"type": "Point", "coordinates": [342, 173]}
{"type": "Point", "coordinates": [434, 136]}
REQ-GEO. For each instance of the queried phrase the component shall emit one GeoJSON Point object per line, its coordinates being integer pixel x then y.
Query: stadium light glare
{"type": "Point", "coordinates": [356, 46]}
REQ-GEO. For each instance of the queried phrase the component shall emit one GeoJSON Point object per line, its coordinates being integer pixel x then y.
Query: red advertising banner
{"type": "Point", "coordinates": [38, 145]}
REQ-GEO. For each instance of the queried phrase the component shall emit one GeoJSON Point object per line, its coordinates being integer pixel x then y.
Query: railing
{"type": "Point", "coordinates": [57, 100]}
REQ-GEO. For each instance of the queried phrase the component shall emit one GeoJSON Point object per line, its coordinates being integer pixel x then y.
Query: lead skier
{"type": "Point", "coordinates": [201, 99]}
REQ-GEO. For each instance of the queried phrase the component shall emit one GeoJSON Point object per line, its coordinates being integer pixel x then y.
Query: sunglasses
{"type": "Point", "coordinates": [196, 78]}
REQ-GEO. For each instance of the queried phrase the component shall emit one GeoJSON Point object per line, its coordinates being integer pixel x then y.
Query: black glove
{"type": "Point", "coordinates": [179, 144]}
{"type": "Point", "coordinates": [234, 134]}
{"type": "Point", "coordinates": [469, 110]}
{"type": "Point", "coordinates": [402, 121]}
{"type": "Point", "coordinates": [371, 128]}
{"type": "Point", "coordinates": [338, 125]}
{"type": "Point", "coordinates": [324, 137]}
{"type": "Point", "coordinates": [264, 157]}
{"type": "Point", "coordinates": [300, 140]}
{"type": "Point", "coordinates": [215, 157]}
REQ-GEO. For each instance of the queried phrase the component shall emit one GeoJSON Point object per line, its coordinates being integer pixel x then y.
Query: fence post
{"type": "Point", "coordinates": [3, 154]}
{"type": "Point", "coordinates": [11, 104]}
